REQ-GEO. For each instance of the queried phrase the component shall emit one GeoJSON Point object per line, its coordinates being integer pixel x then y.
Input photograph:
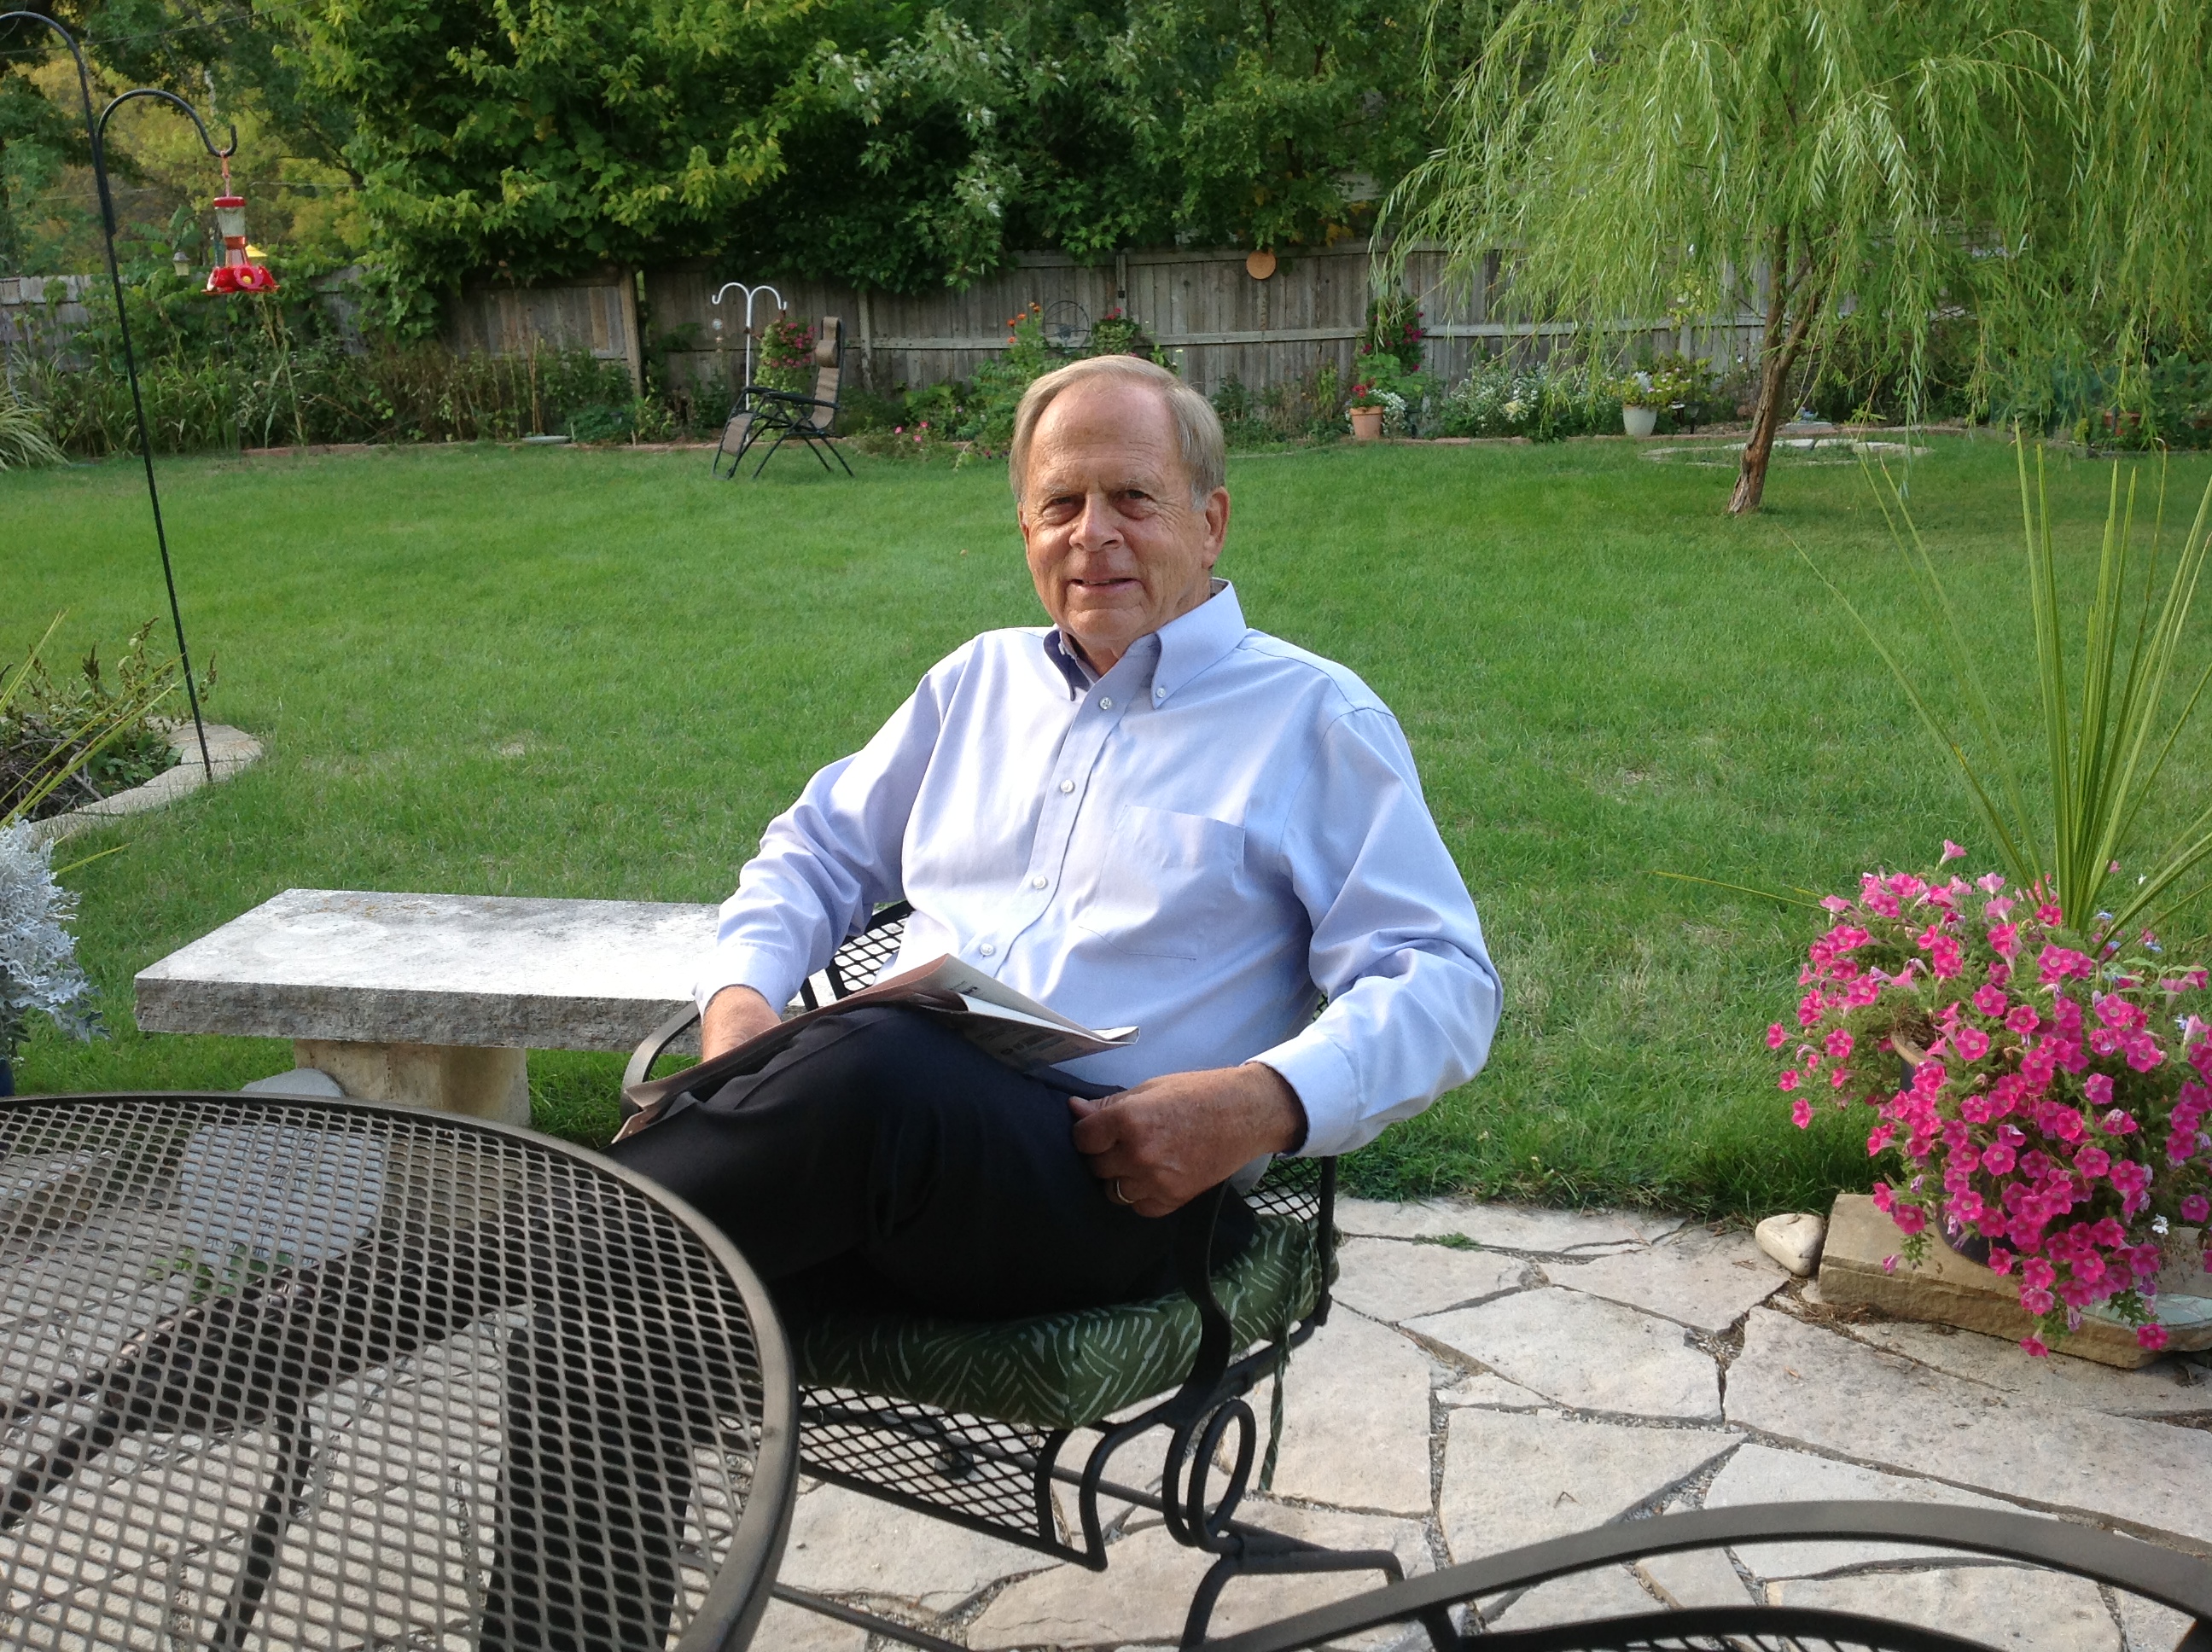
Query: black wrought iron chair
{"type": "Point", "coordinates": [970, 1423]}
{"type": "Point", "coordinates": [2181, 1581]}
{"type": "Point", "coordinates": [780, 416]}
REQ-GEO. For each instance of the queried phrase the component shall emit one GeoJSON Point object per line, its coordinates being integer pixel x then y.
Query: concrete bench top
{"type": "Point", "coordinates": [456, 969]}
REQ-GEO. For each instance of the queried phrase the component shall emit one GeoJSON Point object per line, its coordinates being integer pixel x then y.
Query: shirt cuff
{"type": "Point", "coordinates": [770, 976]}
{"type": "Point", "coordinates": [1327, 1089]}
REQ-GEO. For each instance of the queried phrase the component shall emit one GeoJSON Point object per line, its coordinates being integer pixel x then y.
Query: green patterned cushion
{"type": "Point", "coordinates": [1061, 1371]}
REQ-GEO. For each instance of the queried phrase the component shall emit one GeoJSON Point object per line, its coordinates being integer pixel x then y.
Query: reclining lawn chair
{"type": "Point", "coordinates": [2181, 1581]}
{"type": "Point", "coordinates": [968, 1422]}
{"type": "Point", "coordinates": [782, 416]}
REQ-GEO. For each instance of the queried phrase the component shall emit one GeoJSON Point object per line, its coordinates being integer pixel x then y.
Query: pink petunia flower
{"type": "Point", "coordinates": [1990, 881]}
{"type": "Point", "coordinates": [2023, 1019]}
{"type": "Point", "coordinates": [1788, 1081]}
{"type": "Point", "coordinates": [2098, 1087]}
{"type": "Point", "coordinates": [2196, 1209]}
{"type": "Point", "coordinates": [1801, 1114]}
{"type": "Point", "coordinates": [2035, 1346]}
{"type": "Point", "coordinates": [2049, 915]}
{"type": "Point", "coordinates": [2151, 1336]}
{"type": "Point", "coordinates": [1776, 1037]}
{"type": "Point", "coordinates": [1951, 852]}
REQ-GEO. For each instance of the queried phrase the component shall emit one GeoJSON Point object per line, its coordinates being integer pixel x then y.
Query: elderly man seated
{"type": "Point", "coordinates": [1148, 813]}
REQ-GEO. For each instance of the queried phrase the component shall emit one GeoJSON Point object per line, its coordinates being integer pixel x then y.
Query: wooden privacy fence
{"type": "Point", "coordinates": [40, 314]}
{"type": "Point", "coordinates": [1224, 322]}
{"type": "Point", "coordinates": [596, 313]}
{"type": "Point", "coordinates": [1311, 310]}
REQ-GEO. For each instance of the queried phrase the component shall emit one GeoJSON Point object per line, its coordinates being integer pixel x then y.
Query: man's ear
{"type": "Point", "coordinates": [1217, 525]}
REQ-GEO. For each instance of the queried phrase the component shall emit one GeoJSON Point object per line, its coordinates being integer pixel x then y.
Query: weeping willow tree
{"type": "Point", "coordinates": [2023, 165]}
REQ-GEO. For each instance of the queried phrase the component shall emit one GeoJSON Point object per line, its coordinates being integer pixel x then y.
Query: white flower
{"type": "Point", "coordinates": [38, 955]}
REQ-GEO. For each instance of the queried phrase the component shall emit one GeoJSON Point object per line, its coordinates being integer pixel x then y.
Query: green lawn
{"type": "Point", "coordinates": [1601, 675]}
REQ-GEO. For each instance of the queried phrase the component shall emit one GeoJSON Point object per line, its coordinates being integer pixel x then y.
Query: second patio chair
{"type": "Point", "coordinates": [776, 416]}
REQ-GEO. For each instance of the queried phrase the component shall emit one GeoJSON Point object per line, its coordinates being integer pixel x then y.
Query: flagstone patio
{"type": "Point", "coordinates": [1493, 1375]}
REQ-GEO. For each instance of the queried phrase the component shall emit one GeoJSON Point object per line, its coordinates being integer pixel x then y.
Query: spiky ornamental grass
{"type": "Point", "coordinates": [38, 972]}
{"type": "Point", "coordinates": [24, 443]}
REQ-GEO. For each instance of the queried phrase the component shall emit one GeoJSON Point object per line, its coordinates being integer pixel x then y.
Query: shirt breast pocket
{"type": "Point", "coordinates": [1164, 884]}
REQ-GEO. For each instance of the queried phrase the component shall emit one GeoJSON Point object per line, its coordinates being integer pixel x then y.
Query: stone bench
{"type": "Point", "coordinates": [433, 999]}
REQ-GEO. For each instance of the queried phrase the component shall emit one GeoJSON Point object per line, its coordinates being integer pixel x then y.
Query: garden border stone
{"type": "Point", "coordinates": [228, 749]}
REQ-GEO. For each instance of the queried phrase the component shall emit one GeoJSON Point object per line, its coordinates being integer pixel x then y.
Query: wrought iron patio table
{"type": "Point", "coordinates": [282, 1373]}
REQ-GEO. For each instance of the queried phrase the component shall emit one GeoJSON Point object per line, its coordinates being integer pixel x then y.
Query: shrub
{"type": "Point", "coordinates": [1546, 401]}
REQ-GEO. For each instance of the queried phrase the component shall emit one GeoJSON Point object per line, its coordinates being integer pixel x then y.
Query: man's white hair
{"type": "Point", "coordinates": [1198, 429]}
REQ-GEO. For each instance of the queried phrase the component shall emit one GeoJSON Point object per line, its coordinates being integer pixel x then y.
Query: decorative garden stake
{"type": "Point", "coordinates": [96, 129]}
{"type": "Point", "coordinates": [238, 273]}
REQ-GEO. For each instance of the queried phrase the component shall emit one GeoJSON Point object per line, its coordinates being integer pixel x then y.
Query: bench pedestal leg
{"type": "Point", "coordinates": [485, 1084]}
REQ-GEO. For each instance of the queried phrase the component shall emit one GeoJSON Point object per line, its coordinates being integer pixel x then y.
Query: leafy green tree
{"type": "Point", "coordinates": [537, 139]}
{"type": "Point", "coordinates": [895, 145]}
{"type": "Point", "coordinates": [2038, 168]}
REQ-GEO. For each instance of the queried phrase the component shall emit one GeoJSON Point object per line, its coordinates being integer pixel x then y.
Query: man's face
{"type": "Point", "coordinates": [1115, 545]}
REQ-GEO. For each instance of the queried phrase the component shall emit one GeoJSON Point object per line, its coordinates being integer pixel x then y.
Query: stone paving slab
{"type": "Point", "coordinates": [1510, 1479]}
{"type": "Point", "coordinates": [1388, 1280]}
{"type": "Point", "coordinates": [1709, 1291]}
{"type": "Point", "coordinates": [2006, 1607]}
{"type": "Point", "coordinates": [1531, 1230]}
{"type": "Point", "coordinates": [1355, 1366]}
{"type": "Point", "coordinates": [1799, 1381]}
{"type": "Point", "coordinates": [2168, 1387]}
{"type": "Point", "coordinates": [1585, 1352]}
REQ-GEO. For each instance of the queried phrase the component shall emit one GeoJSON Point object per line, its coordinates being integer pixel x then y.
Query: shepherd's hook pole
{"type": "Point", "coordinates": [93, 129]}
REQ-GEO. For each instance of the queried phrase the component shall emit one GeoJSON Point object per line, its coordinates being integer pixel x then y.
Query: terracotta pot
{"type": "Point", "coordinates": [1639, 421]}
{"type": "Point", "coordinates": [1367, 424]}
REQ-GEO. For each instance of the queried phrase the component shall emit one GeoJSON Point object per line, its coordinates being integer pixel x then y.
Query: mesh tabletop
{"type": "Point", "coordinates": [284, 1373]}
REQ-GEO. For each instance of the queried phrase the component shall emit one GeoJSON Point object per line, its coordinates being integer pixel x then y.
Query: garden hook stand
{"type": "Point", "coordinates": [96, 131]}
{"type": "Point", "coordinates": [750, 292]}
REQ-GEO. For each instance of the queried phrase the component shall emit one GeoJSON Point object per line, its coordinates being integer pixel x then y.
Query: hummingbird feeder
{"type": "Point", "coordinates": [238, 273]}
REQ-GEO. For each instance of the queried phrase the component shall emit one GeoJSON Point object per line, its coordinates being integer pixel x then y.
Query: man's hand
{"type": "Point", "coordinates": [733, 1016]}
{"type": "Point", "coordinates": [1161, 1145]}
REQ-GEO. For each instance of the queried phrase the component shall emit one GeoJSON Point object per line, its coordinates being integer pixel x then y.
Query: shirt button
{"type": "Point", "coordinates": [987, 949]}
{"type": "Point", "coordinates": [1105, 702]}
{"type": "Point", "coordinates": [1067, 786]}
{"type": "Point", "coordinates": [1038, 882]}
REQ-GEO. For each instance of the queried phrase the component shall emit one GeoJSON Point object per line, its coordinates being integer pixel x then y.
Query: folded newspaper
{"type": "Point", "coordinates": [1010, 1026]}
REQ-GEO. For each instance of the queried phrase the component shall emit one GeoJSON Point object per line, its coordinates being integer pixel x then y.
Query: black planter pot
{"type": "Point", "coordinates": [1962, 1241]}
{"type": "Point", "coordinates": [7, 1079]}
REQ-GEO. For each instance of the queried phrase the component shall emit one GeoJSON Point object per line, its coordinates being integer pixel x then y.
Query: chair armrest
{"type": "Point", "coordinates": [2180, 1581]}
{"type": "Point", "coordinates": [655, 1044]}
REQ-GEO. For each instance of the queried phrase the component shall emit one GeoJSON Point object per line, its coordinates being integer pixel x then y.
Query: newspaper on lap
{"type": "Point", "coordinates": [1007, 1025]}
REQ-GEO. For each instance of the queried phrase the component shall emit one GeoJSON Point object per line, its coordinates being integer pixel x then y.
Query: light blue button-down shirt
{"type": "Point", "coordinates": [1212, 841]}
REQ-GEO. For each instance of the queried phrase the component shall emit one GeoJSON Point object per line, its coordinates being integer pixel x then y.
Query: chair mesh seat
{"type": "Point", "coordinates": [1066, 1370]}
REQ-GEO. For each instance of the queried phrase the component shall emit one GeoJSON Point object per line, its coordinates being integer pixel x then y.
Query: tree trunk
{"type": "Point", "coordinates": [1781, 343]}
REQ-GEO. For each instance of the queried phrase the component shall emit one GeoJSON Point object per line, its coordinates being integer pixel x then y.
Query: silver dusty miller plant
{"type": "Point", "coordinates": [38, 955]}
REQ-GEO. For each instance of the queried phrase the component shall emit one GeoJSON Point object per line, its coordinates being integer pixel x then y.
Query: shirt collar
{"type": "Point", "coordinates": [1182, 648]}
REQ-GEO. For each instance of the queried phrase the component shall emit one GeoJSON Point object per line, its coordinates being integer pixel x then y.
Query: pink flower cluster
{"type": "Point", "coordinates": [2026, 1075]}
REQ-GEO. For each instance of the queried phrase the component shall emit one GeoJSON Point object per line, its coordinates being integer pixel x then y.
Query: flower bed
{"type": "Point", "coordinates": [2044, 1091]}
